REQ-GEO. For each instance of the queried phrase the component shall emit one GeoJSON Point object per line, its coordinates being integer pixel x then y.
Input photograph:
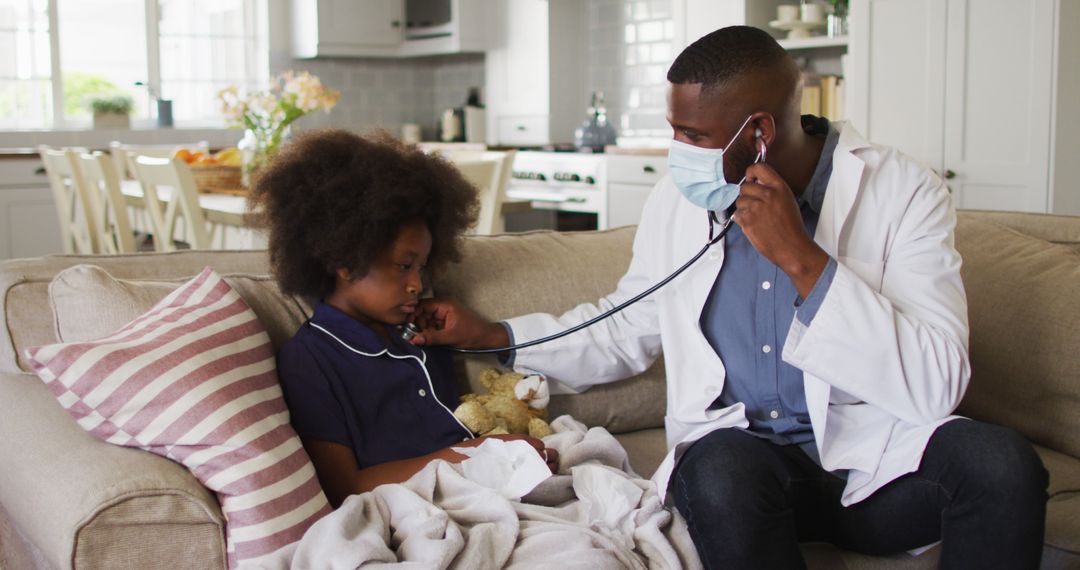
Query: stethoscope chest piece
{"type": "Point", "coordinates": [408, 331]}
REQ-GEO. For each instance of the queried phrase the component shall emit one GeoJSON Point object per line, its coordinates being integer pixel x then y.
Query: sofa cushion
{"type": "Point", "coordinates": [505, 276]}
{"type": "Point", "coordinates": [24, 291]}
{"type": "Point", "coordinates": [1063, 507]}
{"type": "Point", "coordinates": [194, 380]}
{"type": "Point", "coordinates": [88, 302]}
{"type": "Point", "coordinates": [1024, 308]}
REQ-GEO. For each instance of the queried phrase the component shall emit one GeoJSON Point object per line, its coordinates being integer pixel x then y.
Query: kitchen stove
{"type": "Point", "coordinates": [568, 191]}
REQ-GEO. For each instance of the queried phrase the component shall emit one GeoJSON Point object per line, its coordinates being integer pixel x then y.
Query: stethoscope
{"type": "Point", "coordinates": [409, 330]}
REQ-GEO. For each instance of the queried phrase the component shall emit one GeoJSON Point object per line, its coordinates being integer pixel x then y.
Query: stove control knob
{"type": "Point", "coordinates": [575, 178]}
{"type": "Point", "coordinates": [590, 180]}
{"type": "Point", "coordinates": [540, 177]}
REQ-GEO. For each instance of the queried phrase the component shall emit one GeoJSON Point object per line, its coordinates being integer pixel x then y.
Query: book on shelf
{"type": "Point", "coordinates": [823, 95]}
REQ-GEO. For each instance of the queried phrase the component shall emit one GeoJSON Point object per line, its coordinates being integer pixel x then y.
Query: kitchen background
{"type": "Point", "coordinates": [628, 67]}
{"type": "Point", "coordinates": [629, 45]}
{"type": "Point", "coordinates": [997, 119]}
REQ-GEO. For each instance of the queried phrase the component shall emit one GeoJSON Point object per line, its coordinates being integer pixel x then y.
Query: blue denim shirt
{"type": "Point", "coordinates": [748, 313]}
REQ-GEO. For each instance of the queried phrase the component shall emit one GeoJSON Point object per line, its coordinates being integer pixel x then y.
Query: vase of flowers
{"type": "Point", "coordinates": [266, 115]}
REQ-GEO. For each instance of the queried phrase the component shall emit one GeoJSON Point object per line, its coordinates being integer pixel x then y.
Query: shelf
{"type": "Point", "coordinates": [814, 42]}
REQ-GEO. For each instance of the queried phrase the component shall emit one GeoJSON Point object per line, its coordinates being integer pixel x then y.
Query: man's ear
{"type": "Point", "coordinates": [344, 274]}
{"type": "Point", "coordinates": [764, 129]}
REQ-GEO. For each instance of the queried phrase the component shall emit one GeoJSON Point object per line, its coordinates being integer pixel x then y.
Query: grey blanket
{"type": "Point", "coordinates": [440, 519]}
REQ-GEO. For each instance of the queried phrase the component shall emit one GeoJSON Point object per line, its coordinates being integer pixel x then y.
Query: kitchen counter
{"type": "Point", "coordinates": [635, 151]}
{"type": "Point", "coordinates": [12, 153]}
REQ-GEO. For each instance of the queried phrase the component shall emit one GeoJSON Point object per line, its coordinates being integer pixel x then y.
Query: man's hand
{"type": "Point", "coordinates": [447, 322]}
{"type": "Point", "coordinates": [769, 216]}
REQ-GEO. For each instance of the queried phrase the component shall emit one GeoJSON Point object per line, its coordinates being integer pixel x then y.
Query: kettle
{"type": "Point", "coordinates": [451, 125]}
{"type": "Point", "coordinates": [595, 133]}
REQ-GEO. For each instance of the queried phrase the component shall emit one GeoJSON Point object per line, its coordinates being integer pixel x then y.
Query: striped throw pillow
{"type": "Point", "coordinates": [194, 380]}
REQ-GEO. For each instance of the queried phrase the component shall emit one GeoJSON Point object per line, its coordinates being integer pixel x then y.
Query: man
{"type": "Point", "coordinates": [815, 359]}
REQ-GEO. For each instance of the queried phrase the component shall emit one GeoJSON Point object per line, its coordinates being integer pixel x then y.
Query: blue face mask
{"type": "Point", "coordinates": [699, 173]}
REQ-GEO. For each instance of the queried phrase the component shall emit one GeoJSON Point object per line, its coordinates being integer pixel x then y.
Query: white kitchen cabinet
{"type": "Point", "coordinates": [347, 27]}
{"type": "Point", "coordinates": [388, 28]}
{"type": "Point", "coordinates": [30, 225]}
{"type": "Point", "coordinates": [535, 71]}
{"type": "Point", "coordinates": [630, 180]}
{"type": "Point", "coordinates": [969, 88]}
{"type": "Point", "coordinates": [695, 18]}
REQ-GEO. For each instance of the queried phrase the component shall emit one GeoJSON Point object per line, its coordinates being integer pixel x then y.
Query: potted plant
{"type": "Point", "coordinates": [111, 111]}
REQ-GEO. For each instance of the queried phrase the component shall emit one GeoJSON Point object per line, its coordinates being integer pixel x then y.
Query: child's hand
{"type": "Point", "coordinates": [550, 455]}
{"type": "Point", "coordinates": [447, 322]}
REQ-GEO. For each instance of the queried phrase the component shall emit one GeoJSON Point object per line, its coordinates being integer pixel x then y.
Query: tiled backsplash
{"type": "Point", "coordinates": [389, 92]}
{"type": "Point", "coordinates": [629, 53]}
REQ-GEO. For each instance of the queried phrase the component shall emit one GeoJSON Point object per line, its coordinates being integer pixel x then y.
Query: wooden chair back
{"type": "Point", "coordinates": [161, 177]}
{"type": "Point", "coordinates": [75, 207]}
{"type": "Point", "coordinates": [491, 183]}
{"type": "Point", "coordinates": [122, 154]}
{"type": "Point", "coordinates": [113, 224]}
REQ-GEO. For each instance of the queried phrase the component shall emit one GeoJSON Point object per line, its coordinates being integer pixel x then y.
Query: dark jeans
{"type": "Point", "coordinates": [980, 489]}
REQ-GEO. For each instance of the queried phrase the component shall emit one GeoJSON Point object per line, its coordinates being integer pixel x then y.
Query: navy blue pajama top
{"type": "Point", "coordinates": [344, 384]}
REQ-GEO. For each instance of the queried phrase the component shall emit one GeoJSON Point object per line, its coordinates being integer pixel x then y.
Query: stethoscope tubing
{"type": "Point", "coordinates": [712, 240]}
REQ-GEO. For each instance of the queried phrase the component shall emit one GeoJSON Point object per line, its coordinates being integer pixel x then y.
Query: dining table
{"type": "Point", "coordinates": [227, 209]}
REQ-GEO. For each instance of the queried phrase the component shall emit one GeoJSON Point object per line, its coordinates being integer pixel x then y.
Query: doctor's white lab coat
{"type": "Point", "coordinates": [885, 359]}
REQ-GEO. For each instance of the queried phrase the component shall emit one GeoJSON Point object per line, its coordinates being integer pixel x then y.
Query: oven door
{"type": "Point", "coordinates": [556, 207]}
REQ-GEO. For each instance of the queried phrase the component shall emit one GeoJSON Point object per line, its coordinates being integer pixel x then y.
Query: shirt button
{"type": "Point", "coordinates": [774, 414]}
{"type": "Point", "coordinates": [422, 392]}
{"type": "Point", "coordinates": [766, 285]}
{"type": "Point", "coordinates": [766, 349]}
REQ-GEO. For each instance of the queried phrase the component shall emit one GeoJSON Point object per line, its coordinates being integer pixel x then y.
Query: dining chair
{"type": "Point", "coordinates": [491, 184]}
{"type": "Point", "coordinates": [170, 195]}
{"type": "Point", "coordinates": [75, 206]}
{"type": "Point", "coordinates": [111, 219]}
{"type": "Point", "coordinates": [122, 153]}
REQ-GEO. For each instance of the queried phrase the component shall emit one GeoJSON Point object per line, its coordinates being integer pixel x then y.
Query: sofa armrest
{"type": "Point", "coordinates": [86, 503]}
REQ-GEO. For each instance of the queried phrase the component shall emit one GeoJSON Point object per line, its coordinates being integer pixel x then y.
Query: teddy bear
{"type": "Point", "coordinates": [515, 403]}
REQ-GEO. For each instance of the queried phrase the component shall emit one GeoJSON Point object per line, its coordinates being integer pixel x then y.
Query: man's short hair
{"type": "Point", "coordinates": [724, 55]}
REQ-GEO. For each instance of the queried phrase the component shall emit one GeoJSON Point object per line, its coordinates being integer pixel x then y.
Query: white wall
{"type": "Point", "coordinates": [1065, 168]}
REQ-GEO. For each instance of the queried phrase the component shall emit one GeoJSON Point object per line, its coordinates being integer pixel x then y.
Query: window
{"type": "Point", "coordinates": [25, 86]}
{"type": "Point", "coordinates": [92, 62]}
{"type": "Point", "coordinates": [184, 50]}
{"type": "Point", "coordinates": [207, 45]}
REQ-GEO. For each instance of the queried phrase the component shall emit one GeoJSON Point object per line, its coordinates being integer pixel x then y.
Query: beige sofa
{"type": "Point", "coordinates": [68, 500]}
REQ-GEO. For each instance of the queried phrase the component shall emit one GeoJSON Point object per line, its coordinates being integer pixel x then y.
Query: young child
{"type": "Point", "coordinates": [355, 222]}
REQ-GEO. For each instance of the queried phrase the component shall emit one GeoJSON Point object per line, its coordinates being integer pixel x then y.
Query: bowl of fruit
{"type": "Point", "coordinates": [214, 172]}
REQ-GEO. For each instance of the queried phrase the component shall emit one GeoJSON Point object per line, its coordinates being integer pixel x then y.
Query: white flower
{"type": "Point", "coordinates": [291, 95]}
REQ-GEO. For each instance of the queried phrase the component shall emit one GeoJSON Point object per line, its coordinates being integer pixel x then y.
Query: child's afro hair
{"type": "Point", "coordinates": [336, 200]}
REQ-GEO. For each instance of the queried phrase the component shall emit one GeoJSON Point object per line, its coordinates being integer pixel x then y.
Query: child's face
{"type": "Point", "coordinates": [391, 289]}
